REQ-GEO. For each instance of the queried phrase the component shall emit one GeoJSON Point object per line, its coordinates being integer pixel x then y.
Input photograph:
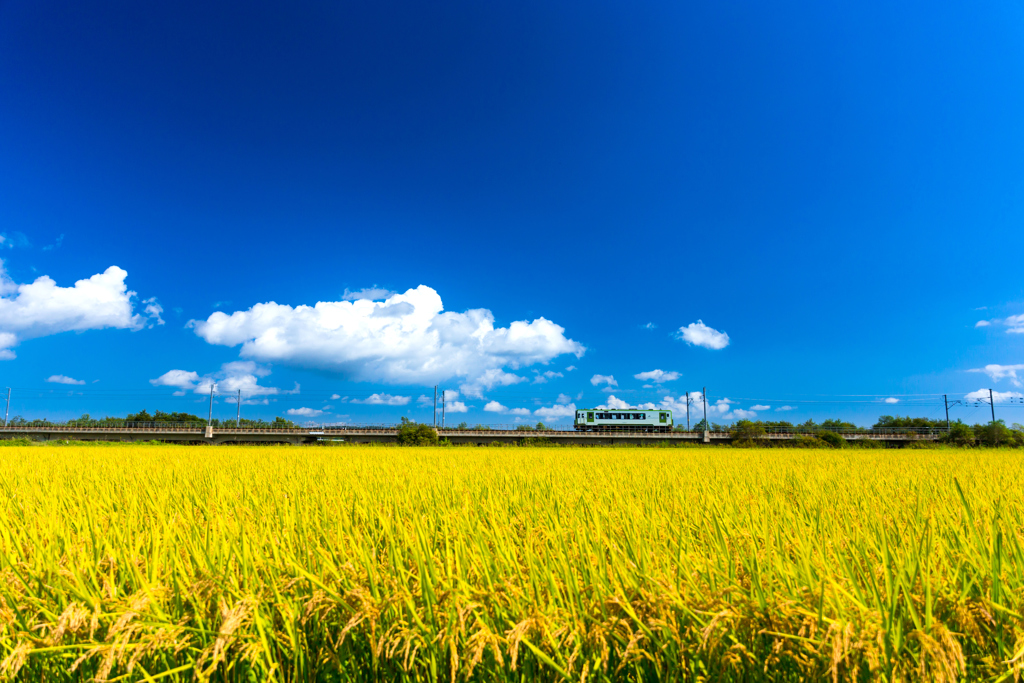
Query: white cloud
{"type": "Point", "coordinates": [335, 397]}
{"type": "Point", "coordinates": [304, 412]}
{"type": "Point", "coordinates": [456, 407]}
{"type": "Point", "coordinates": [570, 368]}
{"type": "Point", "coordinates": [406, 339]}
{"type": "Point", "coordinates": [657, 376]}
{"type": "Point", "coordinates": [892, 400]}
{"type": "Point", "coordinates": [543, 378]}
{"type": "Point", "coordinates": [649, 326]}
{"type": "Point", "coordinates": [998, 372]}
{"type": "Point", "coordinates": [425, 400]}
{"type": "Point", "coordinates": [556, 411]}
{"type": "Point", "coordinates": [495, 407]}
{"type": "Point", "coordinates": [232, 377]}
{"type": "Point", "coordinates": [153, 310]}
{"type": "Point", "coordinates": [613, 403]}
{"type": "Point", "coordinates": [740, 414]}
{"type": "Point", "coordinates": [1013, 323]}
{"type": "Point", "coordinates": [42, 308]}
{"type": "Point", "coordinates": [564, 399]}
{"type": "Point", "coordinates": [383, 400]}
{"type": "Point", "coordinates": [997, 396]}
{"type": "Point", "coordinates": [64, 379]}
{"type": "Point", "coordinates": [597, 380]}
{"type": "Point", "coordinates": [374, 293]}
{"type": "Point", "coordinates": [782, 409]}
{"type": "Point", "coordinates": [699, 334]}
{"type": "Point", "coordinates": [760, 407]}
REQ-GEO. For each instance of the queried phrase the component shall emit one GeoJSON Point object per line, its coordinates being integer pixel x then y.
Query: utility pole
{"type": "Point", "coordinates": [946, 403]}
{"type": "Point", "coordinates": [443, 392]}
{"type": "Point", "coordinates": [435, 406]}
{"type": "Point", "coordinates": [687, 411]}
{"type": "Point", "coordinates": [7, 413]}
{"type": "Point", "coordinates": [238, 406]}
{"type": "Point", "coordinates": [704, 399]}
{"type": "Point", "coordinates": [210, 420]}
{"type": "Point", "coordinates": [992, 404]}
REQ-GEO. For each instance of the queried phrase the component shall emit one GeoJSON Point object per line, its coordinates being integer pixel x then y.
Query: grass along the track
{"type": "Point", "coordinates": [382, 564]}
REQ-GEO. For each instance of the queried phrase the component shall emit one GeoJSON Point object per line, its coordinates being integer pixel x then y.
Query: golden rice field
{"type": "Point", "coordinates": [182, 563]}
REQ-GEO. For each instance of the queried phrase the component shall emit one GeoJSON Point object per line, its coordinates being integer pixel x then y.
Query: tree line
{"type": "Point", "coordinates": [158, 417]}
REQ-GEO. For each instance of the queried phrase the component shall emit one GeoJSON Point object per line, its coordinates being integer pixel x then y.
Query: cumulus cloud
{"type": "Point", "coordinates": [304, 412]}
{"type": "Point", "coordinates": [782, 409]}
{"type": "Point", "coordinates": [657, 376]}
{"type": "Point", "coordinates": [383, 400]}
{"type": "Point", "coordinates": [406, 339]}
{"type": "Point", "coordinates": [41, 308]}
{"type": "Point", "coordinates": [456, 407]}
{"type": "Point", "coordinates": [613, 403]}
{"type": "Point", "coordinates": [570, 368]}
{"type": "Point", "coordinates": [563, 399]}
{"type": "Point", "coordinates": [740, 414]}
{"type": "Point", "coordinates": [649, 326]}
{"type": "Point", "coordinates": [998, 372]}
{"type": "Point", "coordinates": [1014, 324]}
{"type": "Point", "coordinates": [374, 293]}
{"type": "Point", "coordinates": [699, 334]}
{"type": "Point", "coordinates": [598, 380]}
{"type": "Point", "coordinates": [542, 378]}
{"type": "Point", "coordinates": [760, 407]}
{"type": "Point", "coordinates": [997, 396]}
{"type": "Point", "coordinates": [495, 407]}
{"type": "Point", "coordinates": [556, 411]}
{"type": "Point", "coordinates": [892, 400]}
{"type": "Point", "coordinates": [64, 379]}
{"type": "Point", "coordinates": [232, 377]}
{"type": "Point", "coordinates": [335, 397]}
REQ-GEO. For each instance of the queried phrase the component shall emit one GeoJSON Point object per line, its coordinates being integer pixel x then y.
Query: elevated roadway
{"type": "Point", "coordinates": [190, 433]}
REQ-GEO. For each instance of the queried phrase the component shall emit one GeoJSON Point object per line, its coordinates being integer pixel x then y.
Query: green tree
{"type": "Point", "coordinates": [959, 435]}
{"type": "Point", "coordinates": [747, 431]}
{"type": "Point", "coordinates": [832, 439]}
{"type": "Point", "coordinates": [995, 434]}
{"type": "Point", "coordinates": [412, 434]}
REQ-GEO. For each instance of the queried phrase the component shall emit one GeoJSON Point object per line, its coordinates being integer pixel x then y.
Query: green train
{"type": "Point", "coordinates": [632, 420]}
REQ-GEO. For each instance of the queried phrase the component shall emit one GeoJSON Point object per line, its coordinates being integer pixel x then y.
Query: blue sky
{"type": "Point", "coordinates": [838, 189]}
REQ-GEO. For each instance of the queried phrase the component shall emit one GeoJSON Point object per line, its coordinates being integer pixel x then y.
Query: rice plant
{"type": "Point", "coordinates": [476, 564]}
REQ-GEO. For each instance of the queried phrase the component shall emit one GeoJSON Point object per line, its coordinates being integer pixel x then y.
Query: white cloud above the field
{"type": "Point", "coordinates": [760, 407]}
{"type": "Point", "coordinates": [699, 334]}
{"type": "Point", "coordinates": [613, 403]}
{"type": "Point", "coordinates": [304, 412]}
{"type": "Point", "coordinates": [997, 396]}
{"type": "Point", "coordinates": [374, 293]}
{"type": "Point", "coordinates": [657, 376]}
{"type": "Point", "coordinates": [598, 380]}
{"type": "Point", "coordinates": [542, 378]}
{"type": "Point", "coordinates": [564, 399]}
{"type": "Point", "coordinates": [892, 401]}
{"type": "Point", "coordinates": [556, 411]}
{"type": "Point", "coordinates": [782, 409]}
{"type": "Point", "coordinates": [383, 400]}
{"type": "Point", "coordinates": [64, 379]}
{"type": "Point", "coordinates": [1014, 324]}
{"type": "Point", "coordinates": [42, 308]}
{"type": "Point", "coordinates": [334, 397]}
{"type": "Point", "coordinates": [1000, 372]}
{"type": "Point", "coordinates": [241, 375]}
{"type": "Point", "coordinates": [741, 414]}
{"type": "Point", "coordinates": [570, 368]}
{"type": "Point", "coordinates": [406, 339]}
{"type": "Point", "coordinates": [495, 407]}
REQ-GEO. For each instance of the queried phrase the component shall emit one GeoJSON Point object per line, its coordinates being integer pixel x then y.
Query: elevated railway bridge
{"type": "Point", "coordinates": [198, 433]}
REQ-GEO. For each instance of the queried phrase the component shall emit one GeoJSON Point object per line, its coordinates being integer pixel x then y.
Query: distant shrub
{"type": "Point", "coordinates": [920, 445]}
{"type": "Point", "coordinates": [866, 443]}
{"type": "Point", "coordinates": [832, 439]}
{"type": "Point", "coordinates": [412, 434]}
{"type": "Point", "coordinates": [959, 435]}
